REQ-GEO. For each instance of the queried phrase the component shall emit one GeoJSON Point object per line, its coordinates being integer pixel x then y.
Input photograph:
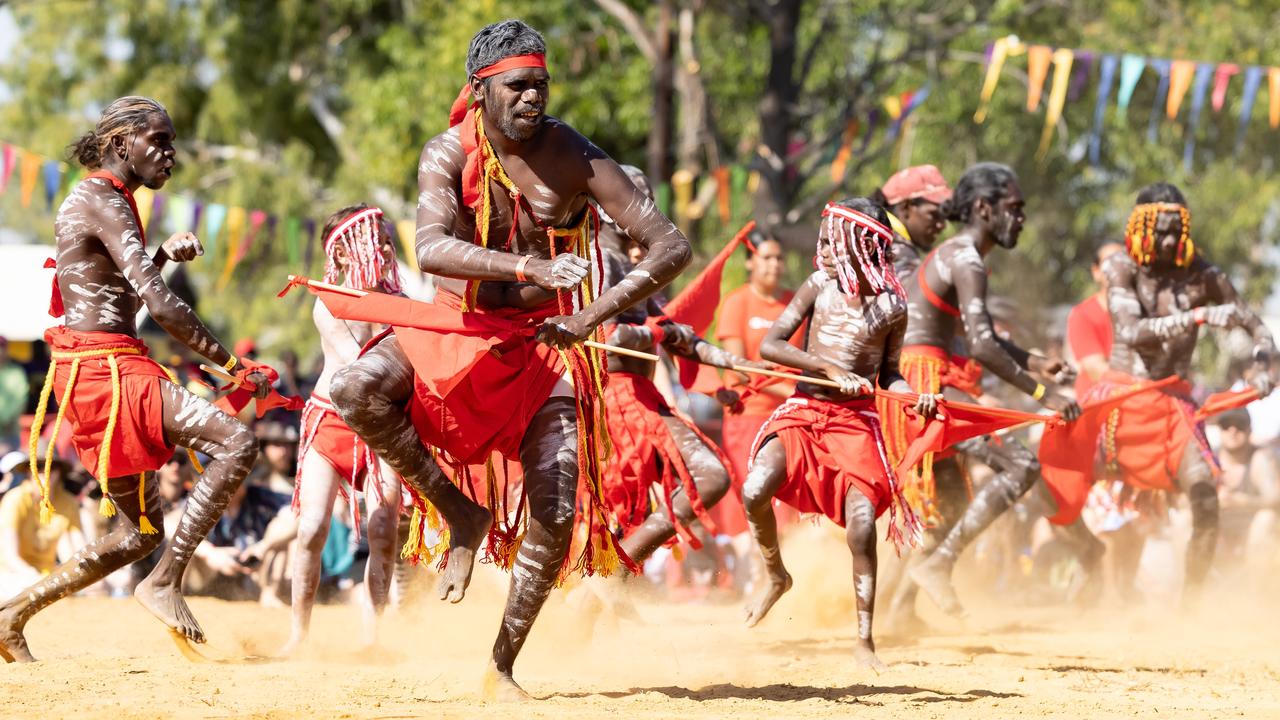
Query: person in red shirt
{"type": "Point", "coordinates": [1089, 326]}
{"type": "Point", "coordinates": [746, 314]}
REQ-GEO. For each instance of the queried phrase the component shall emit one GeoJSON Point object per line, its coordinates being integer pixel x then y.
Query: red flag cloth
{"type": "Point", "coordinates": [645, 453]}
{"type": "Point", "coordinates": [56, 308]}
{"type": "Point", "coordinates": [238, 399]}
{"type": "Point", "coordinates": [1068, 451]}
{"type": "Point", "coordinates": [955, 423]}
{"type": "Point", "coordinates": [696, 304]}
{"type": "Point", "coordinates": [1219, 403]}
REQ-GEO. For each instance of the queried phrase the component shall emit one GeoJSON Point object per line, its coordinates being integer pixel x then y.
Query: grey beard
{"type": "Point", "coordinates": [507, 126]}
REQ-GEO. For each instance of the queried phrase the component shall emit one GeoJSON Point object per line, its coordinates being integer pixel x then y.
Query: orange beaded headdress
{"type": "Point", "coordinates": [1140, 233]}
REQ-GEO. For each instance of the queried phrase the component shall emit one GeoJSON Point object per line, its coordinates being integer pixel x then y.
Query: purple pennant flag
{"type": "Point", "coordinates": [1157, 108]}
{"type": "Point", "coordinates": [1199, 88]}
{"type": "Point", "coordinates": [1080, 68]}
{"type": "Point", "coordinates": [1252, 81]}
{"type": "Point", "coordinates": [1106, 76]}
{"type": "Point", "coordinates": [197, 211]}
{"type": "Point", "coordinates": [158, 205]}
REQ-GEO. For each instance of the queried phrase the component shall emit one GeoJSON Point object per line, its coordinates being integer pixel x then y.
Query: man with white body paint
{"type": "Point", "coordinates": [503, 213]}
{"type": "Point", "coordinates": [822, 451]}
{"type": "Point", "coordinates": [124, 412]}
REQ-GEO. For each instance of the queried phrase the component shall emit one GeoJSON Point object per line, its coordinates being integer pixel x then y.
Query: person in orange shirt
{"type": "Point", "coordinates": [1089, 334]}
{"type": "Point", "coordinates": [746, 314]}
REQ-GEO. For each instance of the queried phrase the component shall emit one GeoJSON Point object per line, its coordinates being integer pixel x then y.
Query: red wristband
{"type": "Point", "coordinates": [520, 268]}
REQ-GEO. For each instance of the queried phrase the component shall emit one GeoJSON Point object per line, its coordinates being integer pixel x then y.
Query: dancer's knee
{"type": "Point", "coordinates": [358, 395]}
{"type": "Point", "coordinates": [240, 449]}
{"type": "Point", "coordinates": [714, 484]}
{"type": "Point", "coordinates": [312, 533]}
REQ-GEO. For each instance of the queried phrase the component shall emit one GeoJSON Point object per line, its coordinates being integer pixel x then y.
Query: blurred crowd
{"type": "Point", "coordinates": [246, 556]}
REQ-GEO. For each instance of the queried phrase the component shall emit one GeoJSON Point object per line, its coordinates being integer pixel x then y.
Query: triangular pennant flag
{"type": "Point", "coordinates": [1252, 81]}
{"type": "Point", "coordinates": [1162, 92]}
{"type": "Point", "coordinates": [1038, 59]}
{"type": "Point", "coordinates": [1106, 76]}
{"type": "Point", "coordinates": [697, 303]}
{"type": "Point", "coordinates": [408, 232]}
{"type": "Point", "coordinates": [1080, 74]}
{"type": "Point", "coordinates": [1273, 85]}
{"type": "Point", "coordinates": [8, 157]}
{"type": "Point", "coordinates": [1000, 49]}
{"type": "Point", "coordinates": [159, 214]}
{"type": "Point", "coordinates": [1179, 82]}
{"type": "Point", "coordinates": [236, 217]}
{"type": "Point", "coordinates": [1222, 78]}
{"type": "Point", "coordinates": [145, 198]}
{"type": "Point", "coordinates": [309, 232]}
{"type": "Point", "coordinates": [29, 173]}
{"type": "Point", "coordinates": [1204, 72]}
{"type": "Point", "coordinates": [841, 162]}
{"type": "Point", "coordinates": [52, 175]}
{"type": "Point", "coordinates": [721, 175]}
{"type": "Point", "coordinates": [292, 241]}
{"type": "Point", "coordinates": [214, 217]}
{"type": "Point", "coordinates": [1062, 59]}
{"type": "Point", "coordinates": [71, 179]}
{"type": "Point", "coordinates": [177, 215]}
{"type": "Point", "coordinates": [1131, 67]}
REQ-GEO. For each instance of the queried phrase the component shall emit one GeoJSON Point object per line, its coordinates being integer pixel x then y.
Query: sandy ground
{"type": "Point", "coordinates": [108, 658]}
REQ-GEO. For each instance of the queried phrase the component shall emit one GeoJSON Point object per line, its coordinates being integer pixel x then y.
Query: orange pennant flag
{"type": "Point", "coordinates": [1038, 59]}
{"type": "Point", "coordinates": [29, 172]}
{"type": "Point", "coordinates": [1180, 73]}
{"type": "Point", "coordinates": [1273, 83]}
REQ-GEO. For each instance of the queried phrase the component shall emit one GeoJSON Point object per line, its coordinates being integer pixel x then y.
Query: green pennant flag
{"type": "Point", "coordinates": [292, 240]}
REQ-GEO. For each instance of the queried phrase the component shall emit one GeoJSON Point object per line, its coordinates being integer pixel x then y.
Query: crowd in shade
{"type": "Point", "coordinates": [247, 556]}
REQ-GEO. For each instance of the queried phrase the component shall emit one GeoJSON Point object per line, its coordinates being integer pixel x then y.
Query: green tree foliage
{"type": "Point", "coordinates": [298, 107]}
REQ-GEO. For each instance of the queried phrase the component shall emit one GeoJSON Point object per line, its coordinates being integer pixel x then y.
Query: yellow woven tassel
{"type": "Point", "coordinates": [413, 544]}
{"type": "Point", "coordinates": [37, 425]}
{"type": "Point", "coordinates": [107, 509]}
{"type": "Point", "coordinates": [144, 525]}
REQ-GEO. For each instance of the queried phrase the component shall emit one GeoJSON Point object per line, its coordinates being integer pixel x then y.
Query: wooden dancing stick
{"type": "Point", "coordinates": [219, 373]}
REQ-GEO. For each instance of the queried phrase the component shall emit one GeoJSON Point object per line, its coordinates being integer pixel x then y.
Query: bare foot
{"type": "Point", "coordinates": [292, 646]}
{"type": "Point", "coordinates": [13, 646]}
{"type": "Point", "coordinates": [935, 581]}
{"type": "Point", "coordinates": [464, 541]}
{"type": "Point", "coordinates": [167, 604]}
{"type": "Point", "coordinates": [500, 687]}
{"type": "Point", "coordinates": [905, 622]}
{"type": "Point", "coordinates": [865, 657]}
{"type": "Point", "coordinates": [773, 591]}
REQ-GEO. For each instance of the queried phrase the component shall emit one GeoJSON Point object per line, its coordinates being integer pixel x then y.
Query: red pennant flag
{"type": "Point", "coordinates": [696, 305]}
{"type": "Point", "coordinates": [1067, 451]}
{"type": "Point", "coordinates": [238, 399]}
{"type": "Point", "coordinates": [1218, 403]}
{"type": "Point", "coordinates": [955, 423]}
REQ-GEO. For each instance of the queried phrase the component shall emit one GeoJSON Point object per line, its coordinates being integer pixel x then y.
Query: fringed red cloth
{"type": "Point", "coordinates": [324, 433]}
{"type": "Point", "coordinates": [479, 378]}
{"type": "Point", "coordinates": [644, 453]}
{"type": "Point", "coordinates": [832, 448]}
{"type": "Point", "coordinates": [1141, 427]}
{"type": "Point", "coordinates": [83, 361]}
{"type": "Point", "coordinates": [927, 369]}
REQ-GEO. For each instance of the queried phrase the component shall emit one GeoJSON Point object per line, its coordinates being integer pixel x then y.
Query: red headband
{"type": "Point", "coordinates": [860, 219]}
{"type": "Point", "coordinates": [514, 62]}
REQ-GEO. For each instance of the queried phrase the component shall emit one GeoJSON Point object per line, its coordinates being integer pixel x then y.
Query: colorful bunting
{"type": "Point", "coordinates": [1221, 79]}
{"type": "Point", "coordinates": [1179, 82]}
{"type": "Point", "coordinates": [28, 172]}
{"type": "Point", "coordinates": [214, 218]}
{"type": "Point", "coordinates": [1204, 72]}
{"type": "Point", "coordinates": [293, 243]}
{"type": "Point", "coordinates": [7, 162]}
{"type": "Point", "coordinates": [51, 173]}
{"type": "Point", "coordinates": [1106, 76]}
{"type": "Point", "coordinates": [1000, 49]}
{"type": "Point", "coordinates": [408, 232]}
{"type": "Point", "coordinates": [1062, 59]}
{"type": "Point", "coordinates": [1273, 84]}
{"type": "Point", "coordinates": [1252, 81]}
{"type": "Point", "coordinates": [145, 198]}
{"type": "Point", "coordinates": [1162, 92]}
{"type": "Point", "coordinates": [1038, 59]}
{"type": "Point", "coordinates": [1131, 67]}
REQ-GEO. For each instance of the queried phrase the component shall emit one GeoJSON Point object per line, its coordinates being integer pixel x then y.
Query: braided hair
{"type": "Point", "coordinates": [358, 229]}
{"type": "Point", "coordinates": [123, 116]}
{"type": "Point", "coordinates": [1140, 230]}
{"type": "Point", "coordinates": [858, 230]}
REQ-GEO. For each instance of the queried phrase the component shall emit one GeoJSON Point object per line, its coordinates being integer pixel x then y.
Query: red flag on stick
{"type": "Point", "coordinates": [1219, 403]}
{"type": "Point", "coordinates": [696, 305]}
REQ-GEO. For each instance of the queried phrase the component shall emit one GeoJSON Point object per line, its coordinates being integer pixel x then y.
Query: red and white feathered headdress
{"type": "Point", "coordinates": [856, 235]}
{"type": "Point", "coordinates": [359, 235]}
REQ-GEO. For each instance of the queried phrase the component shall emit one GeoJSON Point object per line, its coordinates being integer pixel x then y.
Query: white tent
{"type": "Point", "coordinates": [24, 291]}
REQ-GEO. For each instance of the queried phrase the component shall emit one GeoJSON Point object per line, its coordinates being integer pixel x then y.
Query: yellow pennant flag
{"type": "Point", "coordinates": [407, 230]}
{"type": "Point", "coordinates": [29, 172]}
{"type": "Point", "coordinates": [1180, 73]}
{"type": "Point", "coordinates": [1001, 49]}
{"type": "Point", "coordinates": [1062, 60]}
{"type": "Point", "coordinates": [1273, 85]}
{"type": "Point", "coordinates": [682, 184]}
{"type": "Point", "coordinates": [235, 228]}
{"type": "Point", "coordinates": [145, 198]}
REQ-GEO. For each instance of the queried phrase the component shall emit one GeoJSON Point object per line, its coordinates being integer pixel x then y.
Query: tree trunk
{"type": "Point", "coordinates": [776, 105]}
{"type": "Point", "coordinates": [659, 149]}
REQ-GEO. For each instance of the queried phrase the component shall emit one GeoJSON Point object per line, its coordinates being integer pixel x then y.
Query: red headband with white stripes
{"type": "Point", "coordinates": [857, 235]}
{"type": "Point", "coordinates": [360, 238]}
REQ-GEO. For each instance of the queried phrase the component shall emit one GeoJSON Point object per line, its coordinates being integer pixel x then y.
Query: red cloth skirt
{"type": "Point", "coordinates": [324, 432]}
{"type": "Point", "coordinates": [1142, 442]}
{"type": "Point", "coordinates": [644, 454]}
{"type": "Point", "coordinates": [831, 448]}
{"type": "Point", "coordinates": [138, 442]}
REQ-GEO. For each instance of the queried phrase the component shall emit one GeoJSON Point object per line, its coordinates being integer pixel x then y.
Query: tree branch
{"type": "Point", "coordinates": [633, 25]}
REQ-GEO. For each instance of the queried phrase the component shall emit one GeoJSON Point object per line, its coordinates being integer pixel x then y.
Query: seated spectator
{"type": "Point", "coordinates": [1249, 493]}
{"type": "Point", "coordinates": [30, 549]}
{"type": "Point", "coordinates": [14, 389]}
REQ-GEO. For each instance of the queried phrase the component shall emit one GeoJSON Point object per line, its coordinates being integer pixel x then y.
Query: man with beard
{"type": "Point", "coordinates": [952, 294]}
{"type": "Point", "coordinates": [1159, 293]}
{"type": "Point", "coordinates": [125, 411]}
{"type": "Point", "coordinates": [505, 196]}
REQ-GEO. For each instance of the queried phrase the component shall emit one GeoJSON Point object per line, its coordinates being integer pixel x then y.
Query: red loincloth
{"type": "Point", "coordinates": [1142, 438]}
{"type": "Point", "coordinates": [324, 432]}
{"type": "Point", "coordinates": [644, 453]}
{"type": "Point", "coordinates": [138, 442]}
{"type": "Point", "coordinates": [831, 448]}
